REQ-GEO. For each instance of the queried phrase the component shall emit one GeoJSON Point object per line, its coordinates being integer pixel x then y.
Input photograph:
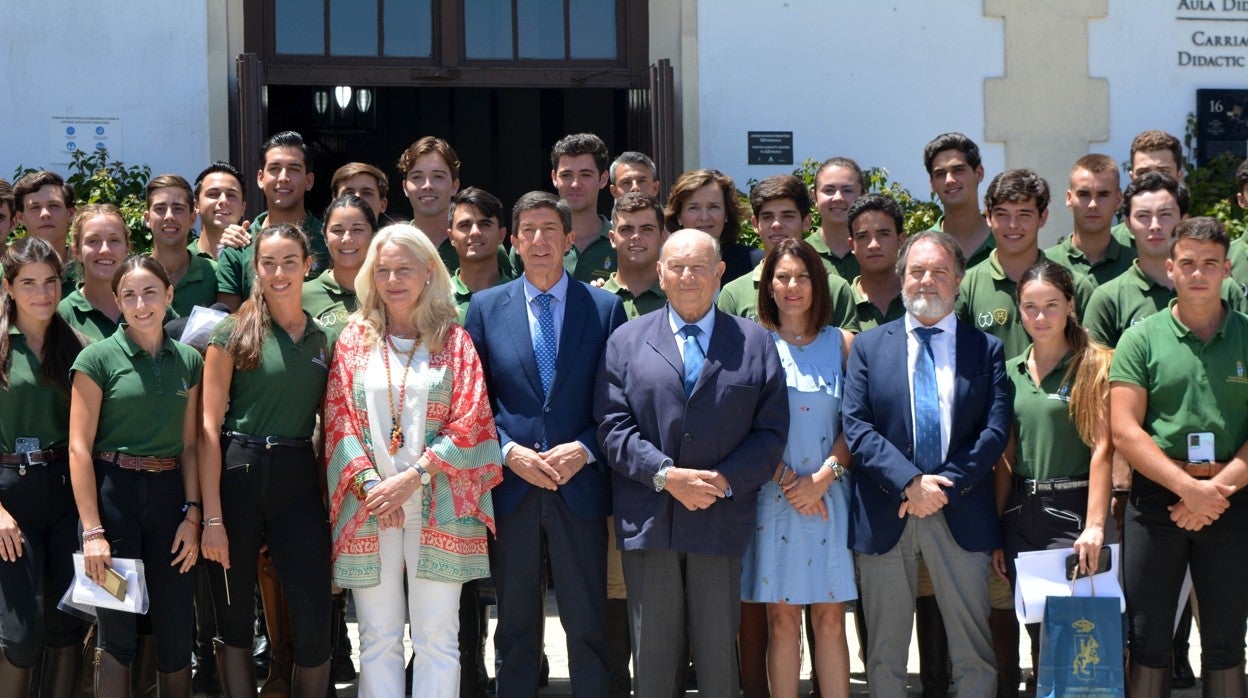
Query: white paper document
{"type": "Point", "coordinates": [1042, 573]}
{"type": "Point", "coordinates": [86, 593]}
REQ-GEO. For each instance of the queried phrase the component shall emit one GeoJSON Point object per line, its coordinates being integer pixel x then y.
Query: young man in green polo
{"type": "Point", "coordinates": [637, 233]}
{"type": "Point", "coordinates": [1091, 251]}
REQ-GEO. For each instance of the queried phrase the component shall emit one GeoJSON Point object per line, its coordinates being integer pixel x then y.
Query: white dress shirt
{"type": "Point", "coordinates": [944, 356]}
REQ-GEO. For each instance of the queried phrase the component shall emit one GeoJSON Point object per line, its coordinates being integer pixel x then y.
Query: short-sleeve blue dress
{"type": "Point", "coordinates": [794, 558]}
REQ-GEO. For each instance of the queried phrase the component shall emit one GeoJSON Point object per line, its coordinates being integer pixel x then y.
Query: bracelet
{"type": "Point", "coordinates": [213, 521]}
{"type": "Point", "coordinates": [191, 521]}
{"type": "Point", "coordinates": [97, 532]}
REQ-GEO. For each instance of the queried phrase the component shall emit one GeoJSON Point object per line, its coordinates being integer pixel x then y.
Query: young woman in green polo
{"type": "Point", "coordinates": [133, 463]}
{"type": "Point", "coordinates": [1054, 478]}
{"type": "Point", "coordinates": [100, 242]}
{"type": "Point", "coordinates": [264, 381]}
{"type": "Point", "coordinates": [38, 521]}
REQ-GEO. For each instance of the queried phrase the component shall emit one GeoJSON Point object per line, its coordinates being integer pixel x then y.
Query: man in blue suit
{"type": "Point", "coordinates": [540, 339]}
{"type": "Point", "coordinates": [694, 415]}
{"type": "Point", "coordinates": [925, 440]}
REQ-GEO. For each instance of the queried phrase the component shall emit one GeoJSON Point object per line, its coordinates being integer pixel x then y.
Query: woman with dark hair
{"type": "Point", "coordinates": [38, 520]}
{"type": "Point", "coordinates": [133, 464]}
{"type": "Point", "coordinates": [349, 226]}
{"type": "Point", "coordinates": [100, 242]}
{"type": "Point", "coordinates": [800, 552]}
{"type": "Point", "coordinates": [413, 456]}
{"type": "Point", "coordinates": [1053, 481]}
{"type": "Point", "coordinates": [264, 380]}
{"type": "Point", "coordinates": [707, 200]}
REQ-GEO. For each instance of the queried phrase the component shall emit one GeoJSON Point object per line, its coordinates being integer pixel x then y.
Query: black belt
{"type": "Point", "coordinates": [22, 460]}
{"type": "Point", "coordinates": [1060, 484]}
{"type": "Point", "coordinates": [266, 441]}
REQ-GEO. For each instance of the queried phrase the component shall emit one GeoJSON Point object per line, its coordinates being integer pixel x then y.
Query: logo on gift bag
{"type": "Point", "coordinates": [1086, 658]}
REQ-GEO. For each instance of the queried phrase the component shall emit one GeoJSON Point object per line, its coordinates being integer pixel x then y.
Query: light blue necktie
{"type": "Point", "coordinates": [927, 452]}
{"type": "Point", "coordinates": [693, 357]}
{"type": "Point", "coordinates": [544, 346]}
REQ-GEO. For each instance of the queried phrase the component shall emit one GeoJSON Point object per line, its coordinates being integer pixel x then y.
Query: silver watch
{"type": "Point", "coordinates": [660, 478]}
{"type": "Point", "coordinates": [837, 469]}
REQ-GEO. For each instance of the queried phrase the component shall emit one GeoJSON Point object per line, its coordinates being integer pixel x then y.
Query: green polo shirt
{"type": "Point", "coordinates": [145, 396]}
{"type": "Point", "coordinates": [740, 297]}
{"type": "Point", "coordinates": [236, 270]}
{"type": "Point", "coordinates": [1048, 444]}
{"type": "Point", "coordinates": [328, 302]}
{"type": "Point", "coordinates": [1134, 296]}
{"type": "Point", "coordinates": [980, 254]}
{"type": "Point", "coordinates": [1117, 259]}
{"type": "Point", "coordinates": [846, 267]}
{"type": "Point", "coordinates": [869, 316]}
{"type": "Point", "coordinates": [85, 318]}
{"type": "Point", "coordinates": [650, 299]}
{"type": "Point", "coordinates": [1238, 254]}
{"type": "Point", "coordinates": [90, 321]}
{"type": "Point", "coordinates": [463, 294]}
{"type": "Point", "coordinates": [598, 261]}
{"type": "Point", "coordinates": [281, 396]}
{"type": "Point", "coordinates": [1192, 386]}
{"type": "Point", "coordinates": [31, 407]}
{"type": "Point", "coordinates": [198, 286]}
{"type": "Point", "coordinates": [192, 246]}
{"type": "Point", "coordinates": [987, 302]}
{"type": "Point", "coordinates": [1122, 234]}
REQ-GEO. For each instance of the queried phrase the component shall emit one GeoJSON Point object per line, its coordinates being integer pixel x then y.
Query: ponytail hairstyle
{"type": "Point", "coordinates": [61, 344]}
{"type": "Point", "coordinates": [252, 322]}
{"type": "Point", "coordinates": [1088, 371]}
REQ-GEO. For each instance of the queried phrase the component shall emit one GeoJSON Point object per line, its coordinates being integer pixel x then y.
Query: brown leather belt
{"type": "Point", "coordinates": [144, 464]}
{"type": "Point", "coordinates": [34, 457]}
{"type": "Point", "coordinates": [1203, 469]}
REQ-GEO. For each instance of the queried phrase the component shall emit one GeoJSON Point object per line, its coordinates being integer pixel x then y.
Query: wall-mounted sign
{"type": "Point", "coordinates": [770, 147]}
{"type": "Point", "coordinates": [1221, 124]}
{"type": "Point", "coordinates": [71, 133]}
{"type": "Point", "coordinates": [1212, 34]}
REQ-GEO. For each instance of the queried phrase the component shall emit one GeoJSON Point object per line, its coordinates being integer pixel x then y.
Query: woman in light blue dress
{"type": "Point", "coordinates": [799, 554]}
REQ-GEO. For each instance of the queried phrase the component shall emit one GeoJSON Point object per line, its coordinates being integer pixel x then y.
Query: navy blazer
{"type": "Point", "coordinates": [736, 421]}
{"type": "Point", "coordinates": [498, 323]}
{"type": "Point", "coordinates": [876, 415]}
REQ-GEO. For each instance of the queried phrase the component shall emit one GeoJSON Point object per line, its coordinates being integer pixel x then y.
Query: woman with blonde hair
{"type": "Point", "coordinates": [412, 456]}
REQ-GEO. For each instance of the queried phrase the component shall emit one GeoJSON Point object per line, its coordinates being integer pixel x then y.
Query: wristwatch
{"type": "Point", "coordinates": [425, 477]}
{"type": "Point", "coordinates": [660, 478]}
{"type": "Point", "coordinates": [837, 469]}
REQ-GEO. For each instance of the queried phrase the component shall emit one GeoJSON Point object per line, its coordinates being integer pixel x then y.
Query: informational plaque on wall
{"type": "Point", "coordinates": [771, 147]}
{"type": "Point", "coordinates": [1221, 124]}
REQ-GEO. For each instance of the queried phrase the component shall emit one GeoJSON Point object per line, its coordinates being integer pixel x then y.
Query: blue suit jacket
{"type": "Point", "coordinates": [498, 322]}
{"type": "Point", "coordinates": [736, 421]}
{"type": "Point", "coordinates": [876, 415]}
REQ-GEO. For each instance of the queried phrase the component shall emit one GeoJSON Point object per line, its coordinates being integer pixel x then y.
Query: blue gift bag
{"type": "Point", "coordinates": [1081, 648]}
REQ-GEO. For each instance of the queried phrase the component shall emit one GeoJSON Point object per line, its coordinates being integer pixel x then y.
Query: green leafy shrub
{"type": "Point", "coordinates": [919, 215]}
{"type": "Point", "coordinates": [1212, 185]}
{"type": "Point", "coordinates": [97, 181]}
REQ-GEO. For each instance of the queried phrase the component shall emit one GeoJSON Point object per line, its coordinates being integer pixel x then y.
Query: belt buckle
{"type": "Point", "coordinates": [149, 466]}
{"type": "Point", "coordinates": [1035, 487]}
{"type": "Point", "coordinates": [270, 442]}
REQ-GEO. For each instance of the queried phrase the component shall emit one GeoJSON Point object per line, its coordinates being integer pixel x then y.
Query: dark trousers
{"type": "Point", "coordinates": [141, 513]}
{"type": "Point", "coordinates": [1155, 554]}
{"type": "Point", "coordinates": [678, 601]}
{"type": "Point", "coordinates": [542, 526]}
{"type": "Point", "coordinates": [42, 504]}
{"type": "Point", "coordinates": [272, 496]}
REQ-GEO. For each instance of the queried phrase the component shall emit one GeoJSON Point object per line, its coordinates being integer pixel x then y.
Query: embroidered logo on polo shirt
{"type": "Point", "coordinates": [1239, 376]}
{"type": "Point", "coordinates": [984, 319]}
{"type": "Point", "coordinates": [186, 389]}
{"type": "Point", "coordinates": [321, 360]}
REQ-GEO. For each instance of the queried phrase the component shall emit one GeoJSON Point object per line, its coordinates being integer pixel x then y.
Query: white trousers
{"type": "Point", "coordinates": [432, 610]}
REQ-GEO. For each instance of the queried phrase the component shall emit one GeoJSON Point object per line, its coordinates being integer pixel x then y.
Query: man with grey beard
{"type": "Point", "coordinates": [923, 483]}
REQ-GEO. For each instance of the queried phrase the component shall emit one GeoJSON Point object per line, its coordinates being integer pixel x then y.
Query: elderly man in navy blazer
{"type": "Point", "coordinates": [540, 338]}
{"type": "Point", "coordinates": [694, 416]}
{"type": "Point", "coordinates": [926, 416]}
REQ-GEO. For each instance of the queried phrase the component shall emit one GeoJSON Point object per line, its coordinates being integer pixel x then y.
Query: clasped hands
{"type": "Point", "coordinates": [1200, 504]}
{"type": "Point", "coordinates": [925, 495]}
{"type": "Point", "coordinates": [805, 492]}
{"type": "Point", "coordinates": [696, 489]}
{"type": "Point", "coordinates": [549, 469]}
